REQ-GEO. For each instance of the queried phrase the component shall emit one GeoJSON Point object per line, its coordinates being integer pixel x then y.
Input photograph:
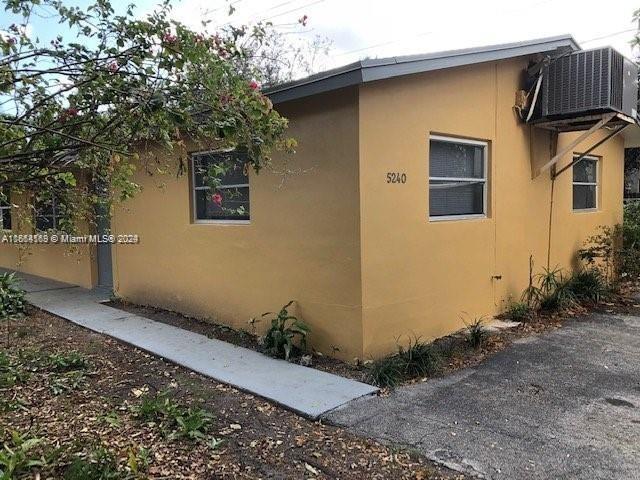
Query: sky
{"type": "Point", "coordinates": [377, 28]}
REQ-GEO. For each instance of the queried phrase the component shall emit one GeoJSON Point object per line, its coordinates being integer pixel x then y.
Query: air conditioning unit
{"type": "Point", "coordinates": [588, 82]}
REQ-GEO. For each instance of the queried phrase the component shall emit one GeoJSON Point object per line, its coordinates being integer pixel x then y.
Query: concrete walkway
{"type": "Point", "coordinates": [564, 405]}
{"type": "Point", "coordinates": [305, 390]}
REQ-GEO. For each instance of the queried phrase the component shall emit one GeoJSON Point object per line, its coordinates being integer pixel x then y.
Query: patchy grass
{"type": "Point", "coordinates": [98, 430]}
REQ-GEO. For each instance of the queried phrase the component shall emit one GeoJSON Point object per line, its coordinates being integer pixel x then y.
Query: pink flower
{"type": "Point", "coordinates": [217, 199]}
{"type": "Point", "coordinates": [169, 38]}
{"type": "Point", "coordinates": [113, 67]}
{"type": "Point", "coordinates": [253, 85]}
{"type": "Point", "coordinates": [71, 112]}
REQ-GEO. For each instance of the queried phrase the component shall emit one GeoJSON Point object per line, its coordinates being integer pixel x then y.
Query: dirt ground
{"type": "Point", "coordinates": [253, 438]}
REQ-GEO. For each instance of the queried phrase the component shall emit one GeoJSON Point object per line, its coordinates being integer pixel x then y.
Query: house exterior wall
{"type": "Point", "coordinates": [302, 243]}
{"type": "Point", "coordinates": [425, 278]}
{"type": "Point", "coordinates": [74, 264]}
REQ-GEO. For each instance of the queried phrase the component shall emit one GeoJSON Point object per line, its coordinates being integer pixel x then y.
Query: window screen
{"type": "Point", "coordinates": [220, 186]}
{"type": "Point", "coordinates": [585, 184]}
{"type": "Point", "coordinates": [457, 177]}
{"type": "Point", "coordinates": [5, 209]}
{"type": "Point", "coordinates": [48, 213]}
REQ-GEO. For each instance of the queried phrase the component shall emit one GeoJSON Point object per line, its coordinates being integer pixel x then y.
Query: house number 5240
{"type": "Point", "coordinates": [396, 177]}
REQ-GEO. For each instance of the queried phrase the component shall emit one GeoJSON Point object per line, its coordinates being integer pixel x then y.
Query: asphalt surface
{"type": "Point", "coordinates": [562, 405]}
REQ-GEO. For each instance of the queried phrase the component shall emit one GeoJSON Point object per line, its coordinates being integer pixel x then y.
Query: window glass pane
{"type": "Point", "coordinates": [6, 218]}
{"type": "Point", "coordinates": [233, 203]}
{"type": "Point", "coordinates": [585, 171]}
{"type": "Point", "coordinates": [44, 222]}
{"type": "Point", "coordinates": [232, 200]}
{"type": "Point", "coordinates": [455, 198]}
{"type": "Point", "coordinates": [234, 163]}
{"type": "Point", "coordinates": [584, 196]}
{"type": "Point", "coordinates": [5, 197]}
{"type": "Point", "coordinates": [459, 160]}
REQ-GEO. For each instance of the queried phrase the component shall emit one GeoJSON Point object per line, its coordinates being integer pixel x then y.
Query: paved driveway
{"type": "Point", "coordinates": [562, 405]}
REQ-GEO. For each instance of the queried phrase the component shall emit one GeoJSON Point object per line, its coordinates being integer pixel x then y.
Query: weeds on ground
{"type": "Point", "coordinates": [19, 455]}
{"type": "Point", "coordinates": [175, 420]}
{"type": "Point", "coordinates": [519, 312]}
{"type": "Point", "coordinates": [100, 464]}
{"type": "Point", "coordinates": [67, 362]}
{"type": "Point", "coordinates": [68, 382]}
{"type": "Point", "coordinates": [476, 334]}
{"type": "Point", "coordinates": [11, 373]}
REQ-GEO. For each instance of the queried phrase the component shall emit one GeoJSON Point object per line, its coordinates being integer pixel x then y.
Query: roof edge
{"type": "Point", "coordinates": [369, 70]}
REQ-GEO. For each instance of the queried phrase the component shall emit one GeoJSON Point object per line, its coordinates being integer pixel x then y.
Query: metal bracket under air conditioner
{"type": "Point", "coordinates": [618, 122]}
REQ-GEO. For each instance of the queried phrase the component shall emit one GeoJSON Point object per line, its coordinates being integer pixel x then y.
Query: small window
{"type": "Point", "coordinates": [48, 212]}
{"type": "Point", "coordinates": [5, 209]}
{"type": "Point", "coordinates": [585, 184]}
{"type": "Point", "coordinates": [457, 178]}
{"type": "Point", "coordinates": [220, 186]}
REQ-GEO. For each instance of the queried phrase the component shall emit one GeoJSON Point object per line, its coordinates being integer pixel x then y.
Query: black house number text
{"type": "Point", "coordinates": [396, 177]}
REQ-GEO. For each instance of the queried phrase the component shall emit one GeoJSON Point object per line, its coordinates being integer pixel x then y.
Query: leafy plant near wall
{"type": "Point", "coordinates": [417, 359]}
{"type": "Point", "coordinates": [476, 333]}
{"type": "Point", "coordinates": [519, 311]}
{"type": "Point", "coordinates": [287, 334]}
{"type": "Point", "coordinates": [589, 284]}
{"type": "Point", "coordinates": [603, 252]}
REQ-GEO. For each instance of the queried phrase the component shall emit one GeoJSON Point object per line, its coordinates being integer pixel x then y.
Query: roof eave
{"type": "Point", "coordinates": [380, 69]}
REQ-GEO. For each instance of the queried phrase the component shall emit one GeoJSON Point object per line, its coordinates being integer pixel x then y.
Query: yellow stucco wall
{"type": "Point", "coordinates": [359, 255]}
{"type": "Point", "coordinates": [302, 243]}
{"type": "Point", "coordinates": [73, 264]}
{"type": "Point", "coordinates": [424, 278]}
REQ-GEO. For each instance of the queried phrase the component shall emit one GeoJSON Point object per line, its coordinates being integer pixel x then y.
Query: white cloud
{"type": "Point", "coordinates": [377, 28]}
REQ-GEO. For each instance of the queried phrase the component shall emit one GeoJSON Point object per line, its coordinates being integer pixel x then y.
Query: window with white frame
{"type": "Point", "coordinates": [585, 183]}
{"type": "Point", "coordinates": [457, 178]}
{"type": "Point", "coordinates": [220, 183]}
{"type": "Point", "coordinates": [5, 209]}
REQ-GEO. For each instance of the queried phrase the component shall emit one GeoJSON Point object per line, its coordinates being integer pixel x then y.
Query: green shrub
{"type": "Point", "coordinates": [285, 330]}
{"type": "Point", "coordinates": [588, 285]}
{"type": "Point", "coordinates": [476, 333]}
{"type": "Point", "coordinates": [418, 359]}
{"type": "Point", "coordinates": [19, 455]}
{"type": "Point", "coordinates": [386, 372]}
{"type": "Point", "coordinates": [519, 311]}
{"type": "Point", "coordinates": [555, 291]}
{"type": "Point", "coordinates": [12, 297]}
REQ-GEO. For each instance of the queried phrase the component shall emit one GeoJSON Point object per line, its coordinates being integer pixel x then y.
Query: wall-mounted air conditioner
{"type": "Point", "coordinates": [585, 83]}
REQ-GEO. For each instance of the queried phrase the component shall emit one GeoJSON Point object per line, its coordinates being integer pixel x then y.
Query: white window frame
{"type": "Point", "coordinates": [2, 209]}
{"type": "Point", "coordinates": [597, 160]}
{"type": "Point", "coordinates": [484, 181]}
{"type": "Point", "coordinates": [194, 189]}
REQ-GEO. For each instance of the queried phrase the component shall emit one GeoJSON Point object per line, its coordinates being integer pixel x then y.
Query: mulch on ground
{"type": "Point", "coordinates": [253, 438]}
